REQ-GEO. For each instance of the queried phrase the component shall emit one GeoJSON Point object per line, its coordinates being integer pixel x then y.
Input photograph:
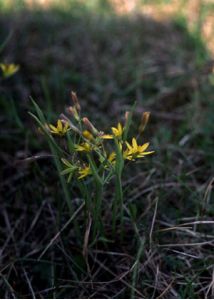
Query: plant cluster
{"type": "Point", "coordinates": [90, 154]}
{"type": "Point", "coordinates": [87, 154]}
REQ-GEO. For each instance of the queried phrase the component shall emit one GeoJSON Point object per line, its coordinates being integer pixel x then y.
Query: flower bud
{"type": "Point", "coordinates": [87, 135]}
{"type": "Point", "coordinates": [75, 100]}
{"type": "Point", "coordinates": [144, 121]}
{"type": "Point", "coordinates": [73, 111]}
{"type": "Point", "coordinates": [90, 126]}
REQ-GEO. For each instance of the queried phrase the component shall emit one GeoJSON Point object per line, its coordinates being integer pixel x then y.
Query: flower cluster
{"type": "Point", "coordinates": [87, 146]}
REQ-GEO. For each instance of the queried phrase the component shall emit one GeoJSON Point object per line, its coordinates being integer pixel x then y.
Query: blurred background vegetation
{"type": "Point", "coordinates": [158, 53]}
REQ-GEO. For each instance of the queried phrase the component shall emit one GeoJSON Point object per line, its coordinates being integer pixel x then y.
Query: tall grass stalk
{"type": "Point", "coordinates": [56, 152]}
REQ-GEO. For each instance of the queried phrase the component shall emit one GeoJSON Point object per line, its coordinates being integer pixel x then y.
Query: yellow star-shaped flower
{"type": "Point", "coordinates": [61, 129]}
{"type": "Point", "coordinates": [136, 151]}
{"type": "Point", "coordinates": [9, 69]}
{"type": "Point", "coordinates": [83, 172]}
{"type": "Point", "coordinates": [84, 147]}
{"type": "Point", "coordinates": [117, 132]}
{"type": "Point", "coordinates": [112, 158]}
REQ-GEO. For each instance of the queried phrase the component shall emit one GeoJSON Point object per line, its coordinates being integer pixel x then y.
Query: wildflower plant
{"type": "Point", "coordinates": [90, 158]}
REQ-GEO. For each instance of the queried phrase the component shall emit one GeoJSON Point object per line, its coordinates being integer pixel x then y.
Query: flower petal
{"type": "Point", "coordinates": [59, 125]}
{"type": "Point", "coordinates": [129, 146]}
{"type": "Point", "coordinates": [144, 147]}
{"type": "Point", "coordinates": [134, 144]}
{"type": "Point", "coordinates": [53, 128]}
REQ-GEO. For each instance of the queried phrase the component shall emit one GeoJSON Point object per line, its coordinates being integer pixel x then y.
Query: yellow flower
{"type": "Point", "coordinates": [87, 135]}
{"type": "Point", "coordinates": [83, 172]}
{"type": "Point", "coordinates": [117, 131]}
{"type": "Point", "coordinates": [61, 129]}
{"type": "Point", "coordinates": [126, 155]}
{"type": "Point", "coordinates": [85, 147]}
{"type": "Point", "coordinates": [112, 158]}
{"type": "Point", "coordinates": [136, 151]}
{"type": "Point", "coordinates": [9, 69]}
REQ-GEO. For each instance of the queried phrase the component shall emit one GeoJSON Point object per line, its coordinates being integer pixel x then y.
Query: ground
{"type": "Point", "coordinates": [112, 57]}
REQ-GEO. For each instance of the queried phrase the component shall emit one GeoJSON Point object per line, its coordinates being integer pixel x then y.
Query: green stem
{"type": "Point", "coordinates": [64, 187]}
{"type": "Point", "coordinates": [97, 211]}
{"type": "Point", "coordinates": [98, 227]}
{"type": "Point", "coordinates": [119, 193]}
{"type": "Point", "coordinates": [118, 201]}
{"type": "Point", "coordinates": [118, 204]}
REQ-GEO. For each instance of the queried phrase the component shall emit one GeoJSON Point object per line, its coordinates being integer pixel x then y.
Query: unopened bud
{"type": "Point", "coordinates": [127, 114]}
{"type": "Point", "coordinates": [73, 111]}
{"type": "Point", "coordinates": [90, 126]}
{"type": "Point", "coordinates": [75, 100]}
{"type": "Point", "coordinates": [144, 121]}
{"type": "Point", "coordinates": [87, 135]}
